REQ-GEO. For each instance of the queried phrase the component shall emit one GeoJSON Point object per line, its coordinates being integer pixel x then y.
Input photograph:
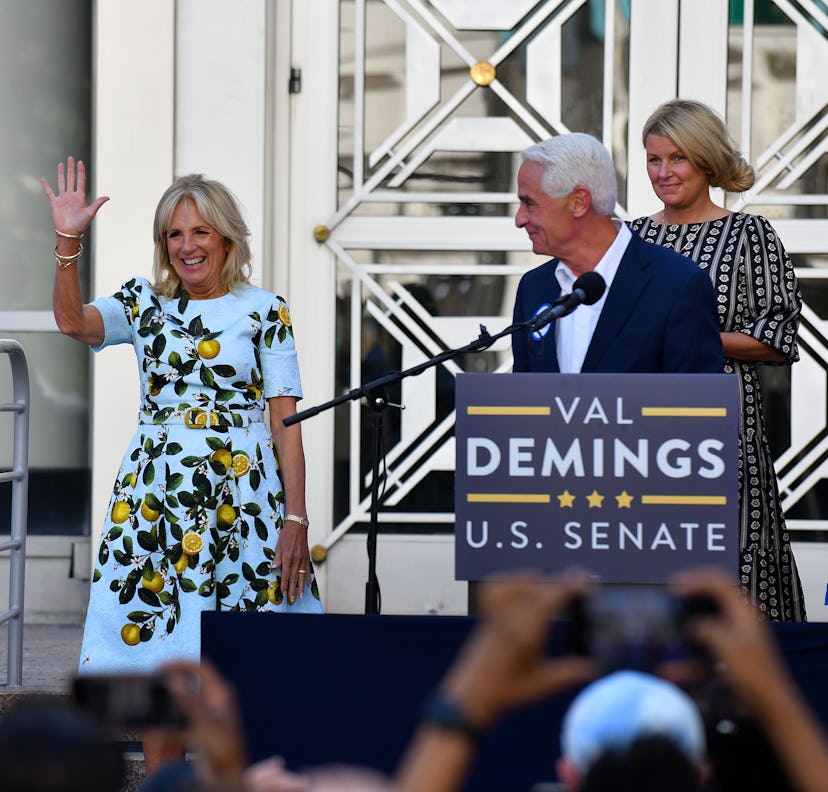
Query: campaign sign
{"type": "Point", "coordinates": [631, 476]}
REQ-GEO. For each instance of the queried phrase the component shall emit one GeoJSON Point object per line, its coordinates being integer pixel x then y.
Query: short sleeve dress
{"type": "Point", "coordinates": [198, 503]}
{"type": "Point", "coordinates": [757, 294]}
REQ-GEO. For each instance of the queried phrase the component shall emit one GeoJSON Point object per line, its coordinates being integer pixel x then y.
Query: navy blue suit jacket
{"type": "Point", "coordinates": [659, 316]}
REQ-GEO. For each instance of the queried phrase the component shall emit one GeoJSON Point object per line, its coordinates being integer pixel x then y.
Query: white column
{"type": "Point", "coordinates": [310, 283]}
{"type": "Point", "coordinates": [220, 127]}
{"type": "Point", "coordinates": [703, 25]}
{"type": "Point", "coordinates": [653, 79]}
{"type": "Point", "coordinates": [132, 162]}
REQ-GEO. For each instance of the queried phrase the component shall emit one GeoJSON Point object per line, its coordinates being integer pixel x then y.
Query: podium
{"type": "Point", "coordinates": [353, 689]}
{"type": "Point", "coordinates": [328, 689]}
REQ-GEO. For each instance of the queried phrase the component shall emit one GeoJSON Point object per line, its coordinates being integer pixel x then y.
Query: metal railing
{"type": "Point", "coordinates": [19, 478]}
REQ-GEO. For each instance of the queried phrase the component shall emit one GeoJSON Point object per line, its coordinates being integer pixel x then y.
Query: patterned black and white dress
{"type": "Point", "coordinates": [757, 294]}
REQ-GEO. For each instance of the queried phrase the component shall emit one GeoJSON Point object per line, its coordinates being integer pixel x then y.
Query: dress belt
{"type": "Point", "coordinates": [204, 418]}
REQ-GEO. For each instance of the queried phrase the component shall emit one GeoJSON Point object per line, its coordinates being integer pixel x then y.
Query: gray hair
{"type": "Point", "coordinates": [576, 160]}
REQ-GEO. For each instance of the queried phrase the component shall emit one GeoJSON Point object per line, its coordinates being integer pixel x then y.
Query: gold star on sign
{"type": "Point", "coordinates": [624, 500]}
{"type": "Point", "coordinates": [566, 499]}
{"type": "Point", "coordinates": [595, 500]}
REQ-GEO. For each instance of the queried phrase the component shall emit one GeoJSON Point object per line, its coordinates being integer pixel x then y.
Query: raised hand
{"type": "Point", "coordinates": [504, 663]}
{"type": "Point", "coordinates": [211, 705]}
{"type": "Point", "coordinates": [70, 213]}
{"type": "Point", "coordinates": [737, 636]}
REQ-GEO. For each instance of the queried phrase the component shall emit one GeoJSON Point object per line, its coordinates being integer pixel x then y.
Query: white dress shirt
{"type": "Point", "coordinates": [574, 332]}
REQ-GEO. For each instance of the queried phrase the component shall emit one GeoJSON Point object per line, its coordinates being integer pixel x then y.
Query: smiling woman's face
{"type": "Point", "coordinates": [197, 252]}
{"type": "Point", "coordinates": [677, 182]}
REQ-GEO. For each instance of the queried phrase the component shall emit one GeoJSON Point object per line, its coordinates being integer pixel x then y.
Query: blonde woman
{"type": "Point", "coordinates": [689, 151]}
{"type": "Point", "coordinates": [208, 509]}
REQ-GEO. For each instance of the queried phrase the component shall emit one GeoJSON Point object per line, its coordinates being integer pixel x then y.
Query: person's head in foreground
{"type": "Point", "coordinates": [632, 731]}
{"type": "Point", "coordinates": [46, 745]}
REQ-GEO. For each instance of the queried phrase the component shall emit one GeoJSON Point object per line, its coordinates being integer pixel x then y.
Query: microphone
{"type": "Point", "coordinates": [587, 289]}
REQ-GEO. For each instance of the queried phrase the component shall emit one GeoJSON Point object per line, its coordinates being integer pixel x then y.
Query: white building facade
{"type": "Point", "coordinates": [373, 145]}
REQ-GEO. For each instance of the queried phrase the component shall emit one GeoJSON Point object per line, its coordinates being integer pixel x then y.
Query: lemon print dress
{"type": "Point", "coordinates": [198, 503]}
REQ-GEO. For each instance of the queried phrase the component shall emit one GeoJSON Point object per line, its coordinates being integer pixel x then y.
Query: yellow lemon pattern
{"type": "Point", "coordinates": [131, 634]}
{"type": "Point", "coordinates": [148, 512]}
{"type": "Point", "coordinates": [183, 563]}
{"type": "Point", "coordinates": [192, 543]}
{"type": "Point", "coordinates": [241, 464]}
{"type": "Point", "coordinates": [193, 523]}
{"type": "Point", "coordinates": [274, 592]}
{"type": "Point", "coordinates": [155, 583]}
{"type": "Point", "coordinates": [223, 459]}
{"type": "Point", "coordinates": [209, 349]}
{"type": "Point", "coordinates": [196, 418]}
{"type": "Point", "coordinates": [120, 511]}
{"type": "Point", "coordinates": [225, 515]}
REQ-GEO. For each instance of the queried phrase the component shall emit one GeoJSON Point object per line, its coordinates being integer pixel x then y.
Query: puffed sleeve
{"type": "Point", "coordinates": [773, 298]}
{"type": "Point", "coordinates": [119, 312]}
{"type": "Point", "coordinates": [277, 350]}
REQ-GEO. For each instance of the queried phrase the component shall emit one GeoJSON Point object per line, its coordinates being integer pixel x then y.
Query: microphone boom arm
{"type": "Point", "coordinates": [593, 288]}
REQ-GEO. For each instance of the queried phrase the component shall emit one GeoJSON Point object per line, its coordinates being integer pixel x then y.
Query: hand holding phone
{"type": "Point", "coordinates": [127, 701]}
{"type": "Point", "coordinates": [635, 626]}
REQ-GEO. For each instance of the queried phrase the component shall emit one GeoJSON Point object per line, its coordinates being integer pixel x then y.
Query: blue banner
{"type": "Point", "coordinates": [630, 476]}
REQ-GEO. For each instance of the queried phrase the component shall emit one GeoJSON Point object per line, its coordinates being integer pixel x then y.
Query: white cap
{"type": "Point", "coordinates": [613, 712]}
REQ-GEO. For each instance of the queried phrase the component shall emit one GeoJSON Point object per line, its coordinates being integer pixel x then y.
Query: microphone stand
{"type": "Point", "coordinates": [374, 392]}
{"type": "Point", "coordinates": [378, 404]}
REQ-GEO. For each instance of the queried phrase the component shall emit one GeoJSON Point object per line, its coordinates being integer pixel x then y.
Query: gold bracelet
{"type": "Point", "coordinates": [66, 261]}
{"type": "Point", "coordinates": [303, 521]}
{"type": "Point", "coordinates": [68, 236]}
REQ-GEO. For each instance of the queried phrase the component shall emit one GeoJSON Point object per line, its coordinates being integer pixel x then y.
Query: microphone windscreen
{"type": "Point", "coordinates": [592, 285]}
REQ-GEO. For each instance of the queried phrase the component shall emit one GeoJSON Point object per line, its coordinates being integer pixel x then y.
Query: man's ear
{"type": "Point", "coordinates": [568, 774]}
{"type": "Point", "coordinates": [580, 200]}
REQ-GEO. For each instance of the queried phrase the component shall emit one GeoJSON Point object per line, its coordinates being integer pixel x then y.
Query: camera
{"type": "Point", "coordinates": [635, 626]}
{"type": "Point", "coordinates": [127, 700]}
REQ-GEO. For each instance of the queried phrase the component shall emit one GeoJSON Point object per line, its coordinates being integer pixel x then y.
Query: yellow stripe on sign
{"type": "Point", "coordinates": [506, 497]}
{"type": "Point", "coordinates": [685, 500]}
{"type": "Point", "coordinates": [684, 412]}
{"type": "Point", "coordinates": [507, 410]}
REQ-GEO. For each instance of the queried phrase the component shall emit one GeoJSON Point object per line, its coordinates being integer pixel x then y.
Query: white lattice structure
{"type": "Point", "coordinates": [392, 169]}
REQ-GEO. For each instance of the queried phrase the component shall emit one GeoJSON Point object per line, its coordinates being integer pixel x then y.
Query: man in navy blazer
{"type": "Point", "coordinates": [658, 313]}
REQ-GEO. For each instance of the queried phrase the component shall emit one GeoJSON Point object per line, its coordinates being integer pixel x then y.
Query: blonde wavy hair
{"type": "Point", "coordinates": [219, 207]}
{"type": "Point", "coordinates": [703, 138]}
